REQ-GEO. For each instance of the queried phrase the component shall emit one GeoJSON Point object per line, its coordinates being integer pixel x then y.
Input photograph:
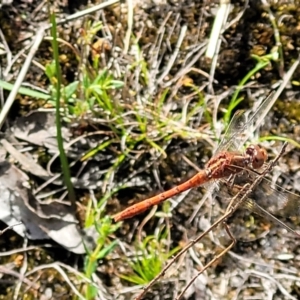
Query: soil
{"type": "Point", "coordinates": [260, 265]}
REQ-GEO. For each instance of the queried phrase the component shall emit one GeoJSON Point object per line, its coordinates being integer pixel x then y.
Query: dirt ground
{"type": "Point", "coordinates": [173, 104]}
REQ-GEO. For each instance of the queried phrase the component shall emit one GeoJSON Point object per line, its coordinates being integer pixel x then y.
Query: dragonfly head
{"type": "Point", "coordinates": [258, 156]}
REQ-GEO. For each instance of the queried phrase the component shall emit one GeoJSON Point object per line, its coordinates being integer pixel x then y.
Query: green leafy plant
{"type": "Point", "coordinates": [151, 255]}
{"type": "Point", "coordinates": [66, 93]}
{"type": "Point", "coordinates": [261, 63]}
{"type": "Point", "coordinates": [97, 218]}
{"type": "Point", "coordinates": [104, 246]}
{"type": "Point", "coordinates": [25, 91]}
{"type": "Point", "coordinates": [95, 90]}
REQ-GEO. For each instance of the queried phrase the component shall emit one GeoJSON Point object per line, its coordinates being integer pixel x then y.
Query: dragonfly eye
{"type": "Point", "coordinates": [258, 155]}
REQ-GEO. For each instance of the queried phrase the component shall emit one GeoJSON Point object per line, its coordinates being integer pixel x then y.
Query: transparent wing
{"type": "Point", "coordinates": [235, 132]}
{"type": "Point", "coordinates": [240, 129]}
{"type": "Point", "coordinates": [266, 205]}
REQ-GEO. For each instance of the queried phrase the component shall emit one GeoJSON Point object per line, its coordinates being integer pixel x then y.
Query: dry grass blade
{"type": "Point", "coordinates": [9, 227]}
{"type": "Point", "coordinates": [273, 280]}
{"type": "Point", "coordinates": [130, 6]}
{"type": "Point", "coordinates": [59, 268]}
{"type": "Point", "coordinates": [85, 12]}
{"type": "Point", "coordinates": [220, 20]}
{"type": "Point", "coordinates": [175, 54]}
{"type": "Point", "coordinates": [11, 98]}
{"type": "Point", "coordinates": [286, 79]}
{"type": "Point", "coordinates": [232, 207]}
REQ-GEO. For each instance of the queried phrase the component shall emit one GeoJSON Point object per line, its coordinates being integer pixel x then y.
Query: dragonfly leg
{"type": "Point", "coordinates": [230, 180]}
{"type": "Point", "coordinates": [232, 238]}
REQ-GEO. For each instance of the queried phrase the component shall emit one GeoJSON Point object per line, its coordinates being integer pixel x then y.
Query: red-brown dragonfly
{"type": "Point", "coordinates": [222, 165]}
{"type": "Point", "coordinates": [226, 163]}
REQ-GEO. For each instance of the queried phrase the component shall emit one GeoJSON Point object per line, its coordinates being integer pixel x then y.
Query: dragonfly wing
{"type": "Point", "coordinates": [234, 134]}
{"type": "Point", "coordinates": [277, 200]}
{"type": "Point", "coordinates": [266, 205]}
{"type": "Point", "coordinates": [240, 129]}
{"type": "Point", "coordinates": [252, 206]}
{"type": "Point", "coordinates": [243, 226]}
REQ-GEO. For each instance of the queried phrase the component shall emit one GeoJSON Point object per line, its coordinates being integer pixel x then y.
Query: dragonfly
{"type": "Point", "coordinates": [222, 165]}
{"type": "Point", "coordinates": [228, 162]}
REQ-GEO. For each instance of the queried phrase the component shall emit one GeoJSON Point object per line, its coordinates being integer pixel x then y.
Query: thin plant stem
{"type": "Point", "coordinates": [262, 62]}
{"type": "Point", "coordinates": [62, 154]}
